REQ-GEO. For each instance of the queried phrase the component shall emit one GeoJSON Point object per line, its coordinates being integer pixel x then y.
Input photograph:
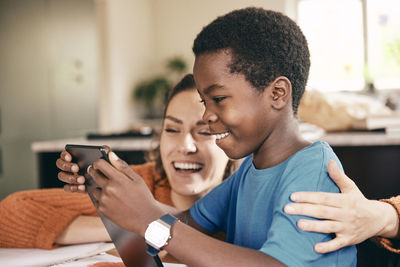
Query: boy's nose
{"type": "Point", "coordinates": [209, 116]}
{"type": "Point", "coordinates": [188, 145]}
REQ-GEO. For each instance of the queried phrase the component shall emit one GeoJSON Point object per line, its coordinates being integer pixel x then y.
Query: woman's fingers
{"type": "Point", "coordinates": [332, 245]}
{"type": "Point", "coordinates": [320, 226]}
{"type": "Point", "coordinates": [321, 198]}
{"type": "Point", "coordinates": [344, 183]}
{"type": "Point", "coordinates": [316, 211]}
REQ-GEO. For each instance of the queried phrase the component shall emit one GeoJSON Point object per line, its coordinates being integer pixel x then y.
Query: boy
{"type": "Point", "coordinates": [251, 69]}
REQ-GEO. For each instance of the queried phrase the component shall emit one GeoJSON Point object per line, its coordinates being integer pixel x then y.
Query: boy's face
{"type": "Point", "coordinates": [238, 114]}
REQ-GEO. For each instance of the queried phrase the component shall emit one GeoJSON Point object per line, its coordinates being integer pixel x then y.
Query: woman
{"type": "Point", "coordinates": [189, 164]}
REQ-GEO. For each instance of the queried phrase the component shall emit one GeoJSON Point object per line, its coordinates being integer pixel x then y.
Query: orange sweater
{"type": "Point", "coordinates": [35, 218]}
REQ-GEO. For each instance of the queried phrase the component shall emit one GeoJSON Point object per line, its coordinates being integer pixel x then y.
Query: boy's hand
{"type": "Point", "coordinates": [349, 215]}
{"type": "Point", "coordinates": [124, 197]}
{"type": "Point", "coordinates": [69, 173]}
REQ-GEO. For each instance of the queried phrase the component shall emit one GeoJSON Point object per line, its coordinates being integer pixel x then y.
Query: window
{"type": "Point", "coordinates": [352, 43]}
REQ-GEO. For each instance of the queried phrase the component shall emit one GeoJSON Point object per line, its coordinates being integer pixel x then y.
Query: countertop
{"type": "Point", "coordinates": [146, 143]}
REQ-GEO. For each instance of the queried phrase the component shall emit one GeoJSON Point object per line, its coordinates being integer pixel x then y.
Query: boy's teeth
{"type": "Point", "coordinates": [220, 136]}
{"type": "Point", "coordinates": [187, 166]}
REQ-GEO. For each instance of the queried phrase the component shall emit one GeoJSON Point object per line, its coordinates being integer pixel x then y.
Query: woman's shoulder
{"type": "Point", "coordinates": [146, 170]}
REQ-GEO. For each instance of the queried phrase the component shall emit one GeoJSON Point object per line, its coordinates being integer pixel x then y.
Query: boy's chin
{"type": "Point", "coordinates": [234, 154]}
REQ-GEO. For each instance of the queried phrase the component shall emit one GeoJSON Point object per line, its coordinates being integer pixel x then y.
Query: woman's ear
{"type": "Point", "coordinates": [281, 92]}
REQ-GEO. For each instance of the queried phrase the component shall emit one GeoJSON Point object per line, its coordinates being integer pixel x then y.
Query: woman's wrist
{"type": "Point", "coordinates": [391, 219]}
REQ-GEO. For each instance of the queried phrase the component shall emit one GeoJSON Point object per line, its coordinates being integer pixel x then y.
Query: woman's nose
{"type": "Point", "coordinates": [188, 144]}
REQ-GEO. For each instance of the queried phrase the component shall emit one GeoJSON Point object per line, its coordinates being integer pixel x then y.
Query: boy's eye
{"type": "Point", "coordinates": [218, 99]}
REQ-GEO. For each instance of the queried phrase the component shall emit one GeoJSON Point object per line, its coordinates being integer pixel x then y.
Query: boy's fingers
{"type": "Point", "coordinates": [70, 178]}
{"type": "Point", "coordinates": [121, 165]}
{"type": "Point", "coordinates": [75, 188]}
{"type": "Point", "coordinates": [96, 195]}
{"type": "Point", "coordinates": [107, 148]}
{"type": "Point", "coordinates": [344, 183]}
{"type": "Point", "coordinates": [321, 198]}
{"type": "Point", "coordinates": [66, 156]}
{"type": "Point", "coordinates": [67, 166]}
{"type": "Point", "coordinates": [97, 176]}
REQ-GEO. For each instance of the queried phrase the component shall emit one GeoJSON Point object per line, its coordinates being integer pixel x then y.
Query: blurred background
{"type": "Point", "coordinates": [69, 68]}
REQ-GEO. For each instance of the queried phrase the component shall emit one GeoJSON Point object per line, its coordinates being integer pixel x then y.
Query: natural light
{"type": "Point", "coordinates": [335, 33]}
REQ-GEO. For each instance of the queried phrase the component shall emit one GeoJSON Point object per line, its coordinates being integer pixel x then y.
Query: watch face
{"type": "Point", "coordinates": [157, 234]}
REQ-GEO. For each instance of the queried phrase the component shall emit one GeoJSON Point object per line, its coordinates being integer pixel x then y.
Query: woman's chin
{"type": "Point", "coordinates": [188, 190]}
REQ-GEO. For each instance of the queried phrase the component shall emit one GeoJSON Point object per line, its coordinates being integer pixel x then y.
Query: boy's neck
{"type": "Point", "coordinates": [281, 144]}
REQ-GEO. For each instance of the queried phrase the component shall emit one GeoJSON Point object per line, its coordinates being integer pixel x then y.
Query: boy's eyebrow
{"type": "Point", "coordinates": [212, 87]}
{"type": "Point", "coordinates": [173, 119]}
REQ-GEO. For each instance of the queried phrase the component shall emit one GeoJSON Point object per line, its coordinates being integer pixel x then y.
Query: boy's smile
{"type": "Point", "coordinates": [237, 113]}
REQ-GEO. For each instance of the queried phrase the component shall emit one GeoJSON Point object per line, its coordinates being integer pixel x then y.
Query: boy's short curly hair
{"type": "Point", "coordinates": [264, 44]}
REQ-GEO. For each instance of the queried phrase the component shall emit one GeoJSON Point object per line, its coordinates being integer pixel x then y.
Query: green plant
{"type": "Point", "coordinates": [152, 92]}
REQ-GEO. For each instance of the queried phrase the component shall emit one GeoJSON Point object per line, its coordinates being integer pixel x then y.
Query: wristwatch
{"type": "Point", "coordinates": [158, 233]}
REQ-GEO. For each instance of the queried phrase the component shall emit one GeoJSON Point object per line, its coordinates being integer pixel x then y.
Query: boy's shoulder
{"type": "Point", "coordinates": [318, 151]}
{"type": "Point", "coordinates": [308, 168]}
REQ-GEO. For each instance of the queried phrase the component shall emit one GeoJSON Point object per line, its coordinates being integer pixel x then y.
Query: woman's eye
{"type": "Point", "coordinates": [206, 133]}
{"type": "Point", "coordinates": [218, 99]}
{"type": "Point", "coordinates": [203, 102]}
{"type": "Point", "coordinates": [169, 130]}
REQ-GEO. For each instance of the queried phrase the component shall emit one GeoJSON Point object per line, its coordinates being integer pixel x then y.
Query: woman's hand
{"type": "Point", "coordinates": [349, 215]}
{"type": "Point", "coordinates": [124, 197]}
{"type": "Point", "coordinates": [69, 173]}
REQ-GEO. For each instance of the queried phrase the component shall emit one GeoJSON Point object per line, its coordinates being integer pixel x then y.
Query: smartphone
{"type": "Point", "coordinates": [84, 156]}
{"type": "Point", "coordinates": [130, 246]}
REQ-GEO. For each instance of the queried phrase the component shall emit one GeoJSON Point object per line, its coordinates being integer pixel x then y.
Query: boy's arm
{"type": "Point", "coordinates": [185, 217]}
{"type": "Point", "coordinates": [126, 200]}
{"type": "Point", "coordinates": [196, 249]}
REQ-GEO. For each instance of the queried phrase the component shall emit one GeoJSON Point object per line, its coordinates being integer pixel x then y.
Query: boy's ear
{"type": "Point", "coordinates": [281, 92]}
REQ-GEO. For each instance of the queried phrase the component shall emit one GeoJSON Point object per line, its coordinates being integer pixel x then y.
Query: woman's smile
{"type": "Point", "coordinates": [187, 167]}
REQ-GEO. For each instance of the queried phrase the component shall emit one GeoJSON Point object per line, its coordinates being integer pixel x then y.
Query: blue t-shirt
{"type": "Point", "coordinates": [248, 207]}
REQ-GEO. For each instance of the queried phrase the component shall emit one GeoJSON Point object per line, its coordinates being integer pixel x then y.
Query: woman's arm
{"type": "Point", "coordinates": [36, 218]}
{"type": "Point", "coordinates": [84, 229]}
{"type": "Point", "coordinates": [351, 216]}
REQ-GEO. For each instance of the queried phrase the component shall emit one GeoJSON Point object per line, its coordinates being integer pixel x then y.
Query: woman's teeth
{"type": "Point", "coordinates": [187, 166]}
{"type": "Point", "coordinates": [222, 135]}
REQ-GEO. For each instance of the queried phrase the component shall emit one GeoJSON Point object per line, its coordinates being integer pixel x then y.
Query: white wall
{"type": "Point", "coordinates": [138, 37]}
{"type": "Point", "coordinates": [177, 22]}
{"type": "Point", "coordinates": [126, 56]}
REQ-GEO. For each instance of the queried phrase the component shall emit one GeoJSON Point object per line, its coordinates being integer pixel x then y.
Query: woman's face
{"type": "Point", "coordinates": [194, 164]}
